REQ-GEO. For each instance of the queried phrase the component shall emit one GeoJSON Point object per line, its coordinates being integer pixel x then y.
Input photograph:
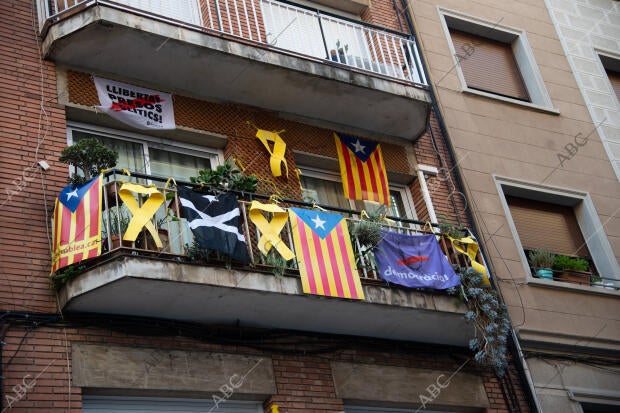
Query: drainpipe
{"type": "Point", "coordinates": [526, 371]}
{"type": "Point", "coordinates": [3, 331]}
{"type": "Point", "coordinates": [459, 178]}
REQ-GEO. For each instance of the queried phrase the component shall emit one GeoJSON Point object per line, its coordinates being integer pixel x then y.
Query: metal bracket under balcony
{"type": "Point", "coordinates": [300, 63]}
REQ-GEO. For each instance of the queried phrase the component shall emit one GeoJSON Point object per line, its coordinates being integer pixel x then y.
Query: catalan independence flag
{"type": "Point", "coordinates": [77, 224]}
{"type": "Point", "coordinates": [362, 169]}
{"type": "Point", "coordinates": [324, 254]}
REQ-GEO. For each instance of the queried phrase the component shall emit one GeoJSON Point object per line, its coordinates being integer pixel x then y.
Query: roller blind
{"type": "Point", "coordinates": [614, 79]}
{"type": "Point", "coordinates": [489, 65]}
{"type": "Point", "coordinates": [542, 225]}
{"type": "Point", "coordinates": [113, 404]}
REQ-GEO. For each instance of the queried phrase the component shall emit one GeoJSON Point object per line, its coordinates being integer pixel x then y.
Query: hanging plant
{"type": "Point", "coordinates": [367, 230]}
{"type": "Point", "coordinates": [490, 320]}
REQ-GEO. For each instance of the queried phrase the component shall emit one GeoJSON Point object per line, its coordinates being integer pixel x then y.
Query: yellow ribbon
{"type": "Point", "coordinates": [472, 253]}
{"type": "Point", "coordinates": [270, 230]}
{"type": "Point", "coordinates": [141, 215]}
{"type": "Point", "coordinates": [277, 153]}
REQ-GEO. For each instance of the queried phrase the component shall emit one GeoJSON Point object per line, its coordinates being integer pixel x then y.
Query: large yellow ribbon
{"type": "Point", "coordinates": [472, 253]}
{"type": "Point", "coordinates": [277, 153]}
{"type": "Point", "coordinates": [141, 215]}
{"type": "Point", "coordinates": [270, 229]}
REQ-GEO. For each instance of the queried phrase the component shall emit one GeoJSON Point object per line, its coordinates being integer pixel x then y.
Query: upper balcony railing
{"type": "Point", "coordinates": [279, 25]}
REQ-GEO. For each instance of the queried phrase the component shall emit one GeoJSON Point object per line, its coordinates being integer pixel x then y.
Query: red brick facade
{"type": "Point", "coordinates": [33, 128]}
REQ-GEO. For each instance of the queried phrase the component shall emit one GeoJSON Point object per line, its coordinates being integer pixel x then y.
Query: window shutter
{"type": "Point", "coordinates": [614, 79]}
{"type": "Point", "coordinates": [489, 65]}
{"type": "Point", "coordinates": [542, 225]}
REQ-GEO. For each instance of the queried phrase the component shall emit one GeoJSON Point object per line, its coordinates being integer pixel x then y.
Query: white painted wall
{"type": "Point", "coordinates": [587, 28]}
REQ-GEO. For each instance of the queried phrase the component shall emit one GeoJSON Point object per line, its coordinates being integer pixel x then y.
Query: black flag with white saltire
{"type": "Point", "coordinates": [215, 222]}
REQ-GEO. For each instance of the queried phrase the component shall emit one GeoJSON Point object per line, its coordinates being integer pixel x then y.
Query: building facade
{"type": "Point", "coordinates": [151, 328]}
{"type": "Point", "coordinates": [531, 116]}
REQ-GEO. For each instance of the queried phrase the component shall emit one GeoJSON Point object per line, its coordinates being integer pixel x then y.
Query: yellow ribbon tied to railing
{"type": "Point", "coordinates": [141, 215]}
{"type": "Point", "coordinates": [471, 250]}
{"type": "Point", "coordinates": [277, 153]}
{"type": "Point", "coordinates": [270, 230]}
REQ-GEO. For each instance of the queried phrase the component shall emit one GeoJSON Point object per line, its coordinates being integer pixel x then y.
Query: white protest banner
{"type": "Point", "coordinates": [135, 106]}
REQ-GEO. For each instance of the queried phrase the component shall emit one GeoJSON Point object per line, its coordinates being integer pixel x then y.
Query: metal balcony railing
{"type": "Point", "coordinates": [279, 25]}
{"type": "Point", "coordinates": [178, 241]}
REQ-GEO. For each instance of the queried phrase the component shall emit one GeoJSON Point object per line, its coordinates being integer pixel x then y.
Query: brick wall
{"type": "Point", "coordinates": [32, 128]}
{"type": "Point", "coordinates": [304, 382]}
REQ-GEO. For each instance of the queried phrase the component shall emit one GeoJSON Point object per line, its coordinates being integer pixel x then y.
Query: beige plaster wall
{"type": "Point", "coordinates": [492, 137]}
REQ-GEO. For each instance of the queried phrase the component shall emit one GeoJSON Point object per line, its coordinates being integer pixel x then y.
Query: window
{"type": "Point", "coordinates": [612, 69]}
{"type": "Point", "coordinates": [149, 156]}
{"type": "Point", "coordinates": [495, 61]}
{"type": "Point", "coordinates": [117, 404]}
{"type": "Point", "coordinates": [184, 10]}
{"type": "Point", "coordinates": [542, 225]}
{"type": "Point", "coordinates": [356, 409]}
{"type": "Point", "coordinates": [562, 221]}
{"type": "Point", "coordinates": [326, 189]}
{"type": "Point", "coordinates": [489, 65]}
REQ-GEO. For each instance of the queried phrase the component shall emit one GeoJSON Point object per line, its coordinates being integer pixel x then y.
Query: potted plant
{"type": "Point", "coordinates": [541, 261]}
{"type": "Point", "coordinates": [116, 223]}
{"type": "Point", "coordinates": [572, 269]}
{"type": "Point", "coordinates": [90, 157]}
{"type": "Point", "coordinates": [226, 177]}
{"type": "Point", "coordinates": [338, 54]}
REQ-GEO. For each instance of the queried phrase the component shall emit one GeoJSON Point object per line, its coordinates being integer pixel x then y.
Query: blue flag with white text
{"type": "Point", "coordinates": [414, 261]}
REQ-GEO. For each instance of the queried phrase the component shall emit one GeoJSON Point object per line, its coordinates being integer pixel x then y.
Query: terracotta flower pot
{"type": "Point", "coordinates": [574, 277]}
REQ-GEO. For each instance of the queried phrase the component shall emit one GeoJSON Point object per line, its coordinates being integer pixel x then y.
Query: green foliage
{"type": "Point", "coordinates": [541, 259]}
{"type": "Point", "coordinates": [368, 229]}
{"type": "Point", "coordinates": [341, 49]}
{"type": "Point", "coordinates": [274, 259]}
{"type": "Point", "coordinates": [451, 229]}
{"type": "Point", "coordinates": [90, 156]}
{"type": "Point", "coordinates": [117, 217]}
{"type": "Point", "coordinates": [65, 274]}
{"type": "Point", "coordinates": [566, 263]}
{"type": "Point", "coordinates": [490, 319]}
{"type": "Point", "coordinates": [195, 252]}
{"type": "Point", "coordinates": [226, 177]}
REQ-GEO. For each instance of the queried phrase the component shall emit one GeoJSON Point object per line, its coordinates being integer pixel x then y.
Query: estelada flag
{"type": "Point", "coordinates": [324, 254]}
{"type": "Point", "coordinates": [77, 224]}
{"type": "Point", "coordinates": [362, 169]}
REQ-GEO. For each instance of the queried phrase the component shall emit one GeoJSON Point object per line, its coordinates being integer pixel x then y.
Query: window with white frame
{"type": "Point", "coordinates": [148, 155]}
{"type": "Point", "coordinates": [325, 188]}
{"type": "Point", "coordinates": [155, 157]}
{"type": "Point", "coordinates": [560, 214]}
{"type": "Point", "coordinates": [612, 70]}
{"type": "Point", "coordinates": [494, 60]}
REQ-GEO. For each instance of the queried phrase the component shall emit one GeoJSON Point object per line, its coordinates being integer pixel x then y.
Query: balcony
{"type": "Point", "coordinates": [182, 282]}
{"type": "Point", "coordinates": [302, 63]}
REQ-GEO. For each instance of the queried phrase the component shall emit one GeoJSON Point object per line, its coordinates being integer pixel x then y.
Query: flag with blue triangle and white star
{"type": "Point", "coordinates": [77, 224]}
{"type": "Point", "coordinates": [362, 169]}
{"type": "Point", "coordinates": [324, 254]}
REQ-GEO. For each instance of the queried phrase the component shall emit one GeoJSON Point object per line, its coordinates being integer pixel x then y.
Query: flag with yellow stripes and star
{"type": "Point", "coordinates": [77, 224]}
{"type": "Point", "coordinates": [324, 254]}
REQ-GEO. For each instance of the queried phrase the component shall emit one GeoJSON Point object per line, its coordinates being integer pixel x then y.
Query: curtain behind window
{"type": "Point", "coordinates": [177, 165]}
{"type": "Point", "coordinates": [130, 154]}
